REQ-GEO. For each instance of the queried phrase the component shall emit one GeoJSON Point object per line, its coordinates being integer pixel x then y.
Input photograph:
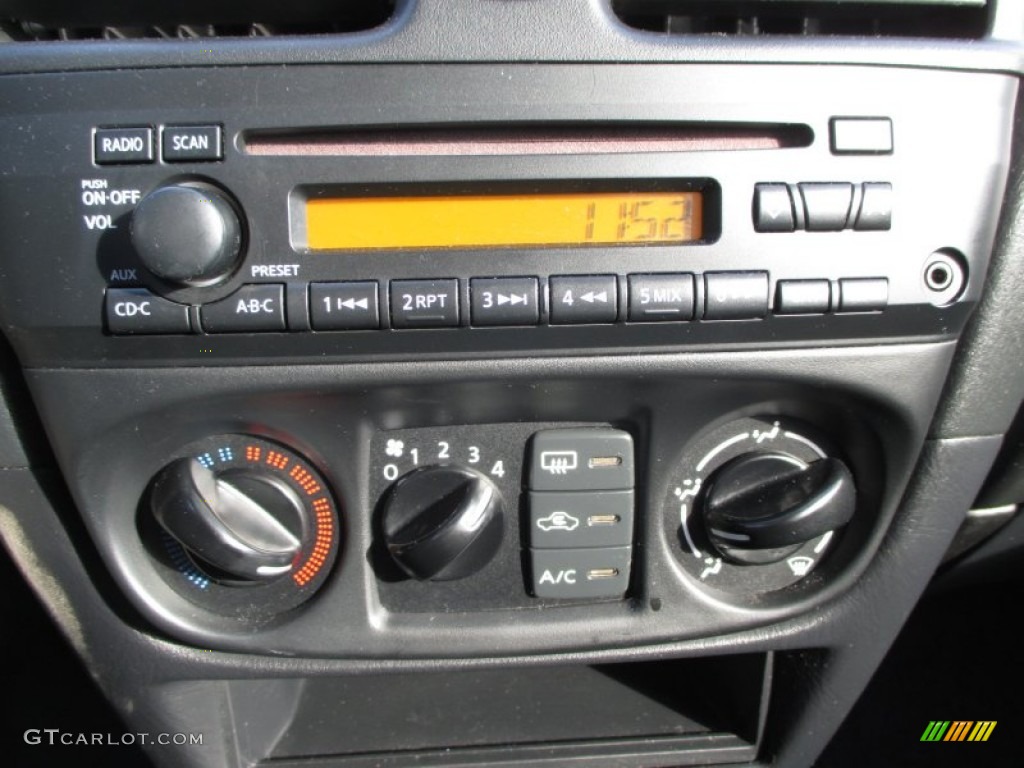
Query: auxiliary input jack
{"type": "Point", "coordinates": [945, 277]}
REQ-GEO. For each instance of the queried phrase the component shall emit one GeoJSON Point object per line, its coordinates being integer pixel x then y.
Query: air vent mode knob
{"type": "Point", "coordinates": [442, 523]}
{"type": "Point", "coordinates": [188, 233]}
{"type": "Point", "coordinates": [761, 507]}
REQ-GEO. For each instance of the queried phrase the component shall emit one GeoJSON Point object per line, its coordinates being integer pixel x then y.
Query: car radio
{"type": "Point", "coordinates": [574, 208]}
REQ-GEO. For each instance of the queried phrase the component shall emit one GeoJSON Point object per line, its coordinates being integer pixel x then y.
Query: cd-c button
{"type": "Point", "coordinates": [424, 303]}
{"type": "Point", "coordinates": [136, 310]}
{"type": "Point", "coordinates": [250, 308]}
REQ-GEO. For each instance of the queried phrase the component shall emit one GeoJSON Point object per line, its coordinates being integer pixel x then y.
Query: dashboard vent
{"type": "Point", "coordinates": [964, 19]}
{"type": "Point", "coordinates": [186, 19]}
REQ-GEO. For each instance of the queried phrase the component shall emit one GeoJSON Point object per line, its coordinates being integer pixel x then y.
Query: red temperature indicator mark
{"type": "Point", "coordinates": [304, 479]}
{"type": "Point", "coordinates": [253, 453]}
{"type": "Point", "coordinates": [322, 544]}
{"type": "Point", "coordinates": [277, 460]}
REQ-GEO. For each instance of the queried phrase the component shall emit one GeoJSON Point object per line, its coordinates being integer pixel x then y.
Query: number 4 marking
{"type": "Point", "coordinates": [498, 470]}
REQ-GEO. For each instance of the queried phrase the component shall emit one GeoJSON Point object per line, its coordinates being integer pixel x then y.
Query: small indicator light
{"type": "Point", "coordinates": [596, 574]}
{"type": "Point", "coordinates": [602, 462]}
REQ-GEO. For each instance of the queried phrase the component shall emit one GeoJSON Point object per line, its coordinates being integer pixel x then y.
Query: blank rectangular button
{"type": "Point", "coordinates": [863, 295]}
{"type": "Point", "coordinates": [736, 295]}
{"type": "Point", "coordinates": [826, 204]}
{"type": "Point", "coordinates": [802, 297]}
{"type": "Point", "coordinates": [861, 135]}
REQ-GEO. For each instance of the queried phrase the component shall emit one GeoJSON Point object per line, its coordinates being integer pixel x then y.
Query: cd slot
{"type": "Point", "coordinates": [603, 139]}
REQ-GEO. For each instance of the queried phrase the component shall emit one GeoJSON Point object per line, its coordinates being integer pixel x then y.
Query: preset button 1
{"type": "Point", "coordinates": [424, 303]}
{"type": "Point", "coordinates": [344, 306]}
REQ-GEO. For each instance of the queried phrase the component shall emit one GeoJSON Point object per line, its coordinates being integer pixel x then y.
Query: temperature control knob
{"type": "Point", "coordinates": [761, 507]}
{"type": "Point", "coordinates": [442, 523]}
{"type": "Point", "coordinates": [188, 233]}
{"type": "Point", "coordinates": [245, 523]}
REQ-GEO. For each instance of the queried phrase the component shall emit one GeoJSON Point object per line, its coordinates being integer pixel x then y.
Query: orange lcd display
{"type": "Point", "coordinates": [496, 221]}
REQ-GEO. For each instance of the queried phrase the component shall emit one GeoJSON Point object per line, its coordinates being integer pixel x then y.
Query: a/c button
{"type": "Point", "coordinates": [136, 310]}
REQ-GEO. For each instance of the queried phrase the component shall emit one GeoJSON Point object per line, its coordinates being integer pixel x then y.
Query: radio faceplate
{"type": "Point", "coordinates": [810, 242]}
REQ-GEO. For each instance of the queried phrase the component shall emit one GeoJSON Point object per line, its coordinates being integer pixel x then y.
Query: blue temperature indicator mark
{"type": "Point", "coordinates": [206, 460]}
{"type": "Point", "coordinates": [225, 454]}
{"type": "Point", "coordinates": [182, 563]}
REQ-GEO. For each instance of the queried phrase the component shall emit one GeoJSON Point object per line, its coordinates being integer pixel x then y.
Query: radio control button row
{"type": "Point", "coordinates": [250, 308]}
{"type": "Point", "coordinates": [424, 303]}
{"type": "Point", "coordinates": [584, 299]}
{"type": "Point", "coordinates": [802, 297]}
{"type": "Point", "coordinates": [123, 146]}
{"type": "Point", "coordinates": [584, 459]}
{"type": "Point", "coordinates": [344, 306]}
{"type": "Point", "coordinates": [136, 310]}
{"type": "Point", "coordinates": [580, 573]}
{"type": "Point", "coordinates": [581, 519]}
{"type": "Point", "coordinates": [191, 143]}
{"type": "Point", "coordinates": [503, 301]}
{"type": "Point", "coordinates": [773, 208]}
{"type": "Point", "coordinates": [660, 298]}
{"type": "Point", "coordinates": [863, 294]}
{"type": "Point", "coordinates": [735, 295]}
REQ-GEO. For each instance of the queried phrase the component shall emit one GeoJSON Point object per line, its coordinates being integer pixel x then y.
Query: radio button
{"type": "Point", "coordinates": [736, 295]}
{"type": "Point", "coordinates": [136, 310]}
{"type": "Point", "coordinates": [114, 146]}
{"type": "Point", "coordinates": [503, 301]}
{"type": "Point", "coordinates": [802, 297]}
{"type": "Point", "coordinates": [826, 205]}
{"type": "Point", "coordinates": [424, 303]}
{"type": "Point", "coordinates": [863, 295]}
{"type": "Point", "coordinates": [250, 308]}
{"type": "Point", "coordinates": [773, 208]}
{"type": "Point", "coordinates": [875, 207]}
{"type": "Point", "coordinates": [584, 299]}
{"type": "Point", "coordinates": [183, 144]}
{"type": "Point", "coordinates": [657, 298]}
{"type": "Point", "coordinates": [344, 306]}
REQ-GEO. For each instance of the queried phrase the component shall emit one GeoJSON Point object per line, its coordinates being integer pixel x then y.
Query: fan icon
{"type": "Point", "coordinates": [395, 448]}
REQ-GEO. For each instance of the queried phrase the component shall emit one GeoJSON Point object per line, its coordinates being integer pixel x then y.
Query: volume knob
{"type": "Point", "coordinates": [187, 233]}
